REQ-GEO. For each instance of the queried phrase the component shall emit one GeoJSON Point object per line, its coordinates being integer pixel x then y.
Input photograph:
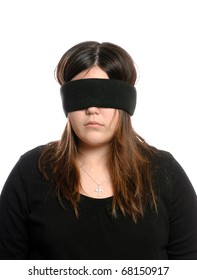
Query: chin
{"type": "Point", "coordinates": [95, 142]}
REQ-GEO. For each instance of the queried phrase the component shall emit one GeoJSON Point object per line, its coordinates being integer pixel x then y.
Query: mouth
{"type": "Point", "coordinates": [92, 123]}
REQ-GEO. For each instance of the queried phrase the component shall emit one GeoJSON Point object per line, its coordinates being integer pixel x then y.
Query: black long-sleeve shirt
{"type": "Point", "coordinates": [34, 225]}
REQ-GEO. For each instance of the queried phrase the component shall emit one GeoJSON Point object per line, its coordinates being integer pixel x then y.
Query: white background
{"type": "Point", "coordinates": [160, 35]}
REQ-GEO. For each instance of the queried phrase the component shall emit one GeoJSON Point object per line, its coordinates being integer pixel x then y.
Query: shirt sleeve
{"type": "Point", "coordinates": [13, 217]}
{"type": "Point", "coordinates": [183, 217]}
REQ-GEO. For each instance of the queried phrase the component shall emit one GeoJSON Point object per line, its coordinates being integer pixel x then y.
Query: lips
{"type": "Point", "coordinates": [93, 123]}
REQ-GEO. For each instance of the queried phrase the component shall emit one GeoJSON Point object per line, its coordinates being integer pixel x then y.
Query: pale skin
{"type": "Point", "coordinates": [95, 128]}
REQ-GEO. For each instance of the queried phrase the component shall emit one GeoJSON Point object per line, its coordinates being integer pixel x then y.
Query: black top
{"type": "Point", "coordinates": [33, 224]}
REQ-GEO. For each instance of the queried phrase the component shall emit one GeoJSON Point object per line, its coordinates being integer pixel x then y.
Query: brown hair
{"type": "Point", "coordinates": [129, 159]}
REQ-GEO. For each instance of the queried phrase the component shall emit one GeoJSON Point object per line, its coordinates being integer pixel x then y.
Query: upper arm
{"type": "Point", "coordinates": [13, 217]}
{"type": "Point", "coordinates": [183, 217]}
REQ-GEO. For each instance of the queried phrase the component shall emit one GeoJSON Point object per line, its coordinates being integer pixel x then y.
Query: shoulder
{"type": "Point", "coordinates": [27, 164]}
{"type": "Point", "coordinates": [171, 179]}
{"type": "Point", "coordinates": [169, 173]}
{"type": "Point", "coordinates": [31, 157]}
{"type": "Point", "coordinates": [162, 161]}
{"type": "Point", "coordinates": [33, 154]}
{"type": "Point", "coordinates": [24, 173]}
{"type": "Point", "coordinates": [165, 163]}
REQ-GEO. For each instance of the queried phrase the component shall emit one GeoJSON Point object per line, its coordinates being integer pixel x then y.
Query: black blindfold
{"type": "Point", "coordinates": [101, 93]}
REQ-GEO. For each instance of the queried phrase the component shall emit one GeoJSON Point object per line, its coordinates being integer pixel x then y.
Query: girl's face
{"type": "Point", "coordinates": [94, 126]}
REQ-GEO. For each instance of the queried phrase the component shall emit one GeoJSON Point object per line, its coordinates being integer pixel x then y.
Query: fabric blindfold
{"type": "Point", "coordinates": [101, 93]}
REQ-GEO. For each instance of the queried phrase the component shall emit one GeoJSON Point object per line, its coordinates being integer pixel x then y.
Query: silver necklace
{"type": "Point", "coordinates": [100, 189]}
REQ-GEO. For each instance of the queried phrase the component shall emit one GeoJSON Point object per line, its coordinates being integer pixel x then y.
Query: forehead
{"type": "Point", "coordinates": [93, 72]}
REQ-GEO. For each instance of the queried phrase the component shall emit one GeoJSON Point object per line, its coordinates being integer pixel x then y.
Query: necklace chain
{"type": "Point", "coordinates": [99, 190]}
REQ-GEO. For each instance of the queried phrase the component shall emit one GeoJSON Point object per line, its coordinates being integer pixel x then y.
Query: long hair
{"type": "Point", "coordinates": [129, 161]}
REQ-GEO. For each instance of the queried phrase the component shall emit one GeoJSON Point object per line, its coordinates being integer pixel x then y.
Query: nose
{"type": "Point", "coordinates": [92, 111]}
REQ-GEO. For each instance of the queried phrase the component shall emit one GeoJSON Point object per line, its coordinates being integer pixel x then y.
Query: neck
{"type": "Point", "coordinates": [95, 177]}
{"type": "Point", "coordinates": [93, 156]}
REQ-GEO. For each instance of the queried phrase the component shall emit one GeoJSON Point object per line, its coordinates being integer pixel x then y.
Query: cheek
{"type": "Point", "coordinates": [75, 117]}
{"type": "Point", "coordinates": [74, 120]}
{"type": "Point", "coordinates": [114, 120]}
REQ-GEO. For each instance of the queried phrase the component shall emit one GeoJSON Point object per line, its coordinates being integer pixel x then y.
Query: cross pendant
{"type": "Point", "coordinates": [99, 190]}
